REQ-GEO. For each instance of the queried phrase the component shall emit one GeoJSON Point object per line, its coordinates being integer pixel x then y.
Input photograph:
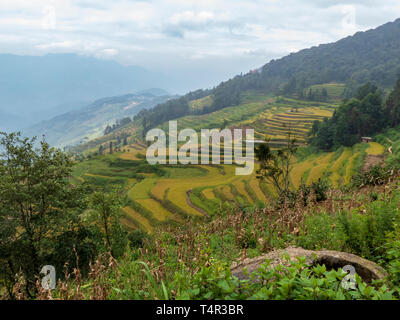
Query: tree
{"type": "Point", "coordinates": [275, 166]}
{"type": "Point", "coordinates": [111, 147]}
{"type": "Point", "coordinates": [101, 149]}
{"type": "Point", "coordinates": [310, 95]}
{"type": "Point", "coordinates": [324, 94]}
{"type": "Point", "coordinates": [107, 130]}
{"type": "Point", "coordinates": [37, 206]}
{"type": "Point", "coordinates": [392, 106]}
{"type": "Point", "coordinates": [105, 214]}
{"type": "Point", "coordinates": [360, 116]}
{"type": "Point", "coordinates": [145, 128]}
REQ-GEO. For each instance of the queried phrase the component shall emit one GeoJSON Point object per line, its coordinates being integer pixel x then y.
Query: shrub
{"type": "Point", "coordinates": [297, 280]}
{"type": "Point", "coordinates": [375, 176]}
{"type": "Point", "coordinates": [136, 238]}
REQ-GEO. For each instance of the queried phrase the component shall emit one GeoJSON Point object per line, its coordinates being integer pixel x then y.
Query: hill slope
{"type": "Point", "coordinates": [373, 55]}
{"type": "Point", "coordinates": [71, 127]}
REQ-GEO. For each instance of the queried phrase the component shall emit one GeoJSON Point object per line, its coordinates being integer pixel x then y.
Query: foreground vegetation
{"type": "Point", "coordinates": [192, 261]}
{"type": "Point", "coordinates": [123, 229]}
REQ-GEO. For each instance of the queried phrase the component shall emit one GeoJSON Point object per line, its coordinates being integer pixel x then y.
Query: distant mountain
{"type": "Point", "coordinates": [155, 92]}
{"type": "Point", "coordinates": [36, 88]}
{"type": "Point", "coordinates": [70, 128]}
{"type": "Point", "coordinates": [372, 56]}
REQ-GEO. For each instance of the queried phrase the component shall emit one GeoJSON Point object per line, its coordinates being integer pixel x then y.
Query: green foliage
{"type": "Point", "coordinates": [377, 175]}
{"type": "Point", "coordinates": [346, 59]}
{"type": "Point", "coordinates": [275, 167]}
{"type": "Point", "coordinates": [362, 232]}
{"type": "Point", "coordinates": [320, 232]}
{"type": "Point", "coordinates": [392, 255]}
{"type": "Point", "coordinates": [297, 281]}
{"type": "Point", "coordinates": [359, 117]}
{"type": "Point", "coordinates": [318, 188]}
{"type": "Point", "coordinates": [105, 215]}
{"type": "Point", "coordinates": [136, 238]}
{"type": "Point", "coordinates": [392, 107]}
{"type": "Point", "coordinates": [39, 211]}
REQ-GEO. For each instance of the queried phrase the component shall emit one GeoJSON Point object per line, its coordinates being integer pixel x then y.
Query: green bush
{"type": "Point", "coordinates": [375, 176]}
{"type": "Point", "coordinates": [297, 281]}
{"type": "Point", "coordinates": [136, 238]}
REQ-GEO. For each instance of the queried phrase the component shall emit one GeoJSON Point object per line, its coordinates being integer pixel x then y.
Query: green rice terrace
{"type": "Point", "coordinates": [162, 194]}
{"type": "Point", "coordinates": [169, 194]}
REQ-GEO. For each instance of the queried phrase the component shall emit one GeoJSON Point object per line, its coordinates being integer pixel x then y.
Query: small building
{"type": "Point", "coordinates": [366, 139]}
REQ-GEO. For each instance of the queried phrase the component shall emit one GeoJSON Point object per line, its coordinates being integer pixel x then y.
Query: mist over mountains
{"type": "Point", "coordinates": [35, 88]}
{"type": "Point", "coordinates": [89, 122]}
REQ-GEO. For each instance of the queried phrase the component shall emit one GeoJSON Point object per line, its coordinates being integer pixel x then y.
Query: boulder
{"type": "Point", "coordinates": [366, 269]}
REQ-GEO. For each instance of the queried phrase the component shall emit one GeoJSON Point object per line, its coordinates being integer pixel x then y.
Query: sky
{"type": "Point", "coordinates": [198, 43]}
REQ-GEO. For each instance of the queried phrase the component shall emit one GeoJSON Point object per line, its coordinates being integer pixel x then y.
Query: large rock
{"type": "Point", "coordinates": [366, 269]}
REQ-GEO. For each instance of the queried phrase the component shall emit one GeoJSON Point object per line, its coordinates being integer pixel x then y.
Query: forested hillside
{"type": "Point", "coordinates": [371, 56]}
{"type": "Point", "coordinates": [366, 114]}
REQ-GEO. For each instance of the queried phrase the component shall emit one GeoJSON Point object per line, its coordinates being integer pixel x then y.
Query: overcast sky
{"type": "Point", "coordinates": [203, 41]}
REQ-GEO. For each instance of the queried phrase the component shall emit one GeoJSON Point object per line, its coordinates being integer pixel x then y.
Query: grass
{"type": "Point", "coordinates": [318, 170]}
{"type": "Point", "coordinates": [159, 212]}
{"type": "Point", "coordinates": [298, 171]}
{"type": "Point", "coordinates": [335, 169]}
{"type": "Point", "coordinates": [209, 194]}
{"type": "Point", "coordinates": [142, 189]}
{"type": "Point", "coordinates": [335, 90]}
{"type": "Point", "coordinates": [254, 183]}
{"type": "Point", "coordinates": [351, 167]}
{"type": "Point", "coordinates": [375, 149]}
{"type": "Point", "coordinates": [201, 103]}
{"type": "Point", "coordinates": [142, 221]}
{"type": "Point", "coordinates": [241, 188]}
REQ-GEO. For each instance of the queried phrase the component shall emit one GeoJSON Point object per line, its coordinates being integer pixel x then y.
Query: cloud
{"type": "Point", "coordinates": [213, 39]}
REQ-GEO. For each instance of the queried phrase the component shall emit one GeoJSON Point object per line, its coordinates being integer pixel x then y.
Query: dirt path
{"type": "Point", "coordinates": [189, 202]}
{"type": "Point", "coordinates": [371, 161]}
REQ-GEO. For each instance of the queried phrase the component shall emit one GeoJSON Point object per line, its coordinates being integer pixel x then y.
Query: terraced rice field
{"type": "Point", "coordinates": [335, 90]}
{"type": "Point", "coordinates": [375, 149]}
{"type": "Point", "coordinates": [299, 170]}
{"type": "Point", "coordinates": [350, 169]}
{"type": "Point", "coordinates": [335, 178]}
{"type": "Point", "coordinates": [209, 194]}
{"type": "Point", "coordinates": [241, 188]}
{"type": "Point", "coordinates": [159, 212]}
{"type": "Point", "coordinates": [338, 168]}
{"type": "Point", "coordinates": [182, 191]}
{"type": "Point", "coordinates": [320, 166]}
{"type": "Point", "coordinates": [133, 152]}
{"type": "Point", "coordinates": [138, 218]}
{"type": "Point", "coordinates": [142, 189]}
{"type": "Point", "coordinates": [174, 185]}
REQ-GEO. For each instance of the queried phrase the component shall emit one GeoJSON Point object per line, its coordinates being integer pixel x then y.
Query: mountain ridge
{"type": "Point", "coordinates": [368, 56]}
{"type": "Point", "coordinates": [90, 121]}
